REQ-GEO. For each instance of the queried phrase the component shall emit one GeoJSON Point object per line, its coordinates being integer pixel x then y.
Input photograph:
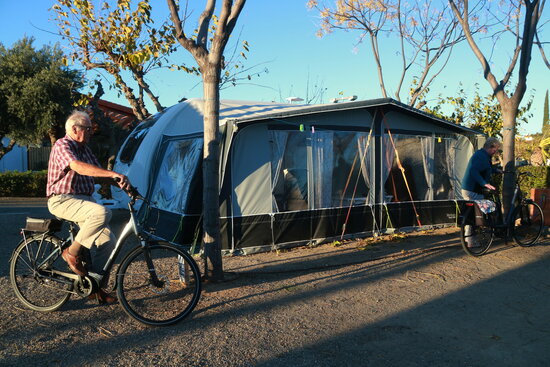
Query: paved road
{"type": "Point", "coordinates": [14, 211]}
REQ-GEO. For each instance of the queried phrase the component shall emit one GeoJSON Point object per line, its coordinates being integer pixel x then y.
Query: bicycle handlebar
{"type": "Point", "coordinates": [132, 191]}
{"type": "Point", "coordinates": [487, 191]}
{"type": "Point", "coordinates": [520, 173]}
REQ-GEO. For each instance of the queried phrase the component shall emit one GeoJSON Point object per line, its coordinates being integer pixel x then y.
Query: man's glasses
{"type": "Point", "coordinates": [84, 127]}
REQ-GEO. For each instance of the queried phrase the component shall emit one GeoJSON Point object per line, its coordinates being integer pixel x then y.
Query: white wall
{"type": "Point", "coordinates": [15, 160]}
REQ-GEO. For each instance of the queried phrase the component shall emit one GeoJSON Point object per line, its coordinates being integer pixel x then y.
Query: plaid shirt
{"type": "Point", "coordinates": [63, 180]}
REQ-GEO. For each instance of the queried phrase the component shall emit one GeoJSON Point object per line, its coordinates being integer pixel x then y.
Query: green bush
{"type": "Point", "coordinates": [30, 183]}
{"type": "Point", "coordinates": [540, 178]}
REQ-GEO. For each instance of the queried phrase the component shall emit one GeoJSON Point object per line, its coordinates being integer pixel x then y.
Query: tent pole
{"type": "Point", "coordinates": [378, 183]}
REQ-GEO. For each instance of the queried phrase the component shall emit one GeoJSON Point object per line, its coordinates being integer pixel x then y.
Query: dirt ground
{"type": "Point", "coordinates": [407, 300]}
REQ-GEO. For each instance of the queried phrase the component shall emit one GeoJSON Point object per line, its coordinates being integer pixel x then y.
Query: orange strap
{"type": "Point", "coordinates": [402, 170]}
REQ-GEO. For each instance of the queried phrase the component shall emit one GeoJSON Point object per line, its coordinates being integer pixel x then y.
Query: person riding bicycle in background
{"type": "Point", "coordinates": [479, 171]}
{"type": "Point", "coordinates": [71, 170]}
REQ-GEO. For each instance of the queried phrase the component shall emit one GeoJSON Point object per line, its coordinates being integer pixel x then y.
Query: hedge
{"type": "Point", "coordinates": [540, 178]}
{"type": "Point", "coordinates": [30, 183]}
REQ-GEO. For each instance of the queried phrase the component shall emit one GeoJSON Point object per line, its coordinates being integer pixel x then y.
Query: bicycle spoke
{"type": "Point", "coordinates": [33, 288]}
{"type": "Point", "coordinates": [528, 223]}
{"type": "Point", "coordinates": [151, 290]}
{"type": "Point", "coordinates": [475, 239]}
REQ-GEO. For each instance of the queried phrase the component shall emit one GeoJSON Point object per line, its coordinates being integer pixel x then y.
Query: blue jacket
{"type": "Point", "coordinates": [478, 173]}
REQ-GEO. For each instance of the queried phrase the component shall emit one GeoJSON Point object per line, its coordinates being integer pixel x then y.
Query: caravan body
{"type": "Point", "coordinates": [290, 174]}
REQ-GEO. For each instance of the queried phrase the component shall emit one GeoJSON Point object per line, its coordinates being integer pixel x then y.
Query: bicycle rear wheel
{"type": "Point", "coordinates": [527, 224]}
{"type": "Point", "coordinates": [33, 276]}
{"type": "Point", "coordinates": [475, 239]}
{"type": "Point", "coordinates": [163, 292]}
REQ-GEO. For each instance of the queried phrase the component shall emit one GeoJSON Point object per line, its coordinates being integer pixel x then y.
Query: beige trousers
{"type": "Point", "coordinates": [92, 219]}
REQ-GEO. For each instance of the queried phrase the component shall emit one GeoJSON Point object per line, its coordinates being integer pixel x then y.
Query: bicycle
{"type": "Point", "coordinates": [523, 223]}
{"type": "Point", "coordinates": [158, 283]}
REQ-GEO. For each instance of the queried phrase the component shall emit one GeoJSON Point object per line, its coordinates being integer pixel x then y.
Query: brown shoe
{"type": "Point", "coordinates": [103, 297]}
{"type": "Point", "coordinates": [74, 262]}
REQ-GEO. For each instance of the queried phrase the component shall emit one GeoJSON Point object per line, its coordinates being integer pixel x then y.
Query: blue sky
{"type": "Point", "coordinates": [282, 38]}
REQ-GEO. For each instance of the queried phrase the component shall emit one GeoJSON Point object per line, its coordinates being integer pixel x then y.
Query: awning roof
{"type": "Point", "coordinates": [286, 111]}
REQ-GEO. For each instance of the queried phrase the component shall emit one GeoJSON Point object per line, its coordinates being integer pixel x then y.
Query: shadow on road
{"type": "Point", "coordinates": [416, 302]}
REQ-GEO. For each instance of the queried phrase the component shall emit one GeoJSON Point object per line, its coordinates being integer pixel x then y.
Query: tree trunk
{"type": "Point", "coordinates": [139, 110]}
{"type": "Point", "coordinates": [211, 192]}
{"type": "Point", "coordinates": [52, 135]}
{"type": "Point", "coordinates": [509, 113]}
{"type": "Point", "coordinates": [375, 50]}
{"type": "Point", "coordinates": [143, 84]}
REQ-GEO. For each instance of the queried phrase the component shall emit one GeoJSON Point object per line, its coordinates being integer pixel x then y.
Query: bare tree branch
{"type": "Point", "coordinates": [204, 22]}
{"type": "Point", "coordinates": [542, 54]}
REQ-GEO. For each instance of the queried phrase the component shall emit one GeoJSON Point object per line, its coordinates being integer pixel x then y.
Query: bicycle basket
{"type": "Point", "coordinates": [42, 225]}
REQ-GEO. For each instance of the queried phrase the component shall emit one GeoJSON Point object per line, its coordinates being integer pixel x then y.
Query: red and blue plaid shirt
{"type": "Point", "coordinates": [61, 178]}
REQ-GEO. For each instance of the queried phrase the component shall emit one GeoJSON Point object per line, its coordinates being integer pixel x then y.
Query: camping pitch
{"type": "Point", "coordinates": [291, 174]}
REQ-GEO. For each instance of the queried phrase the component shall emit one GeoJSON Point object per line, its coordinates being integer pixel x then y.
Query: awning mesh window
{"type": "Point", "coordinates": [444, 169]}
{"type": "Point", "coordinates": [418, 168]}
{"type": "Point", "coordinates": [289, 170]}
{"type": "Point", "coordinates": [321, 169]}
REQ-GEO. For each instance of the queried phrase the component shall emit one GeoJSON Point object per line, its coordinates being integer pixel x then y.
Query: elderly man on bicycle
{"type": "Point", "coordinates": [71, 170]}
{"type": "Point", "coordinates": [478, 174]}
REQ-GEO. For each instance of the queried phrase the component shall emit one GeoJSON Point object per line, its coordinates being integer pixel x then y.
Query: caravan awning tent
{"type": "Point", "coordinates": [290, 174]}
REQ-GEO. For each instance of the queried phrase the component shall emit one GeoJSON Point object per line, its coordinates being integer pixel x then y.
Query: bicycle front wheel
{"type": "Point", "coordinates": [158, 284]}
{"type": "Point", "coordinates": [527, 224]}
{"type": "Point", "coordinates": [34, 273]}
{"type": "Point", "coordinates": [475, 239]}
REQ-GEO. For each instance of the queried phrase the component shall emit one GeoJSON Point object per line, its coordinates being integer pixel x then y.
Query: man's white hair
{"type": "Point", "coordinates": [77, 118]}
{"type": "Point", "coordinates": [491, 143]}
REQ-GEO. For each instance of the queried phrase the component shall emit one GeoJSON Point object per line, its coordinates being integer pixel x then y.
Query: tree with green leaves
{"type": "Point", "coordinates": [120, 40]}
{"type": "Point", "coordinates": [208, 53]}
{"type": "Point", "coordinates": [37, 92]}
{"type": "Point", "coordinates": [514, 25]}
{"type": "Point", "coordinates": [471, 109]}
{"type": "Point", "coordinates": [124, 41]}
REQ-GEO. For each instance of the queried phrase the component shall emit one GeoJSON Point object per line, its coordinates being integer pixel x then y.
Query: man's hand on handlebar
{"type": "Point", "coordinates": [490, 187]}
{"type": "Point", "coordinates": [126, 186]}
{"type": "Point", "coordinates": [122, 181]}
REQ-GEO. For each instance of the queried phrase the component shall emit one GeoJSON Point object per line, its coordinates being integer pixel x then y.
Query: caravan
{"type": "Point", "coordinates": [291, 174]}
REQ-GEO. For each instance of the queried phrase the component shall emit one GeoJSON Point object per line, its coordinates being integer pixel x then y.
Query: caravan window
{"type": "Point", "coordinates": [130, 147]}
{"type": "Point", "coordinates": [179, 166]}
{"type": "Point", "coordinates": [338, 171]}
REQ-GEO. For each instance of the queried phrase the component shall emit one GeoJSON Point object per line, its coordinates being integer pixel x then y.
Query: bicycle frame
{"type": "Point", "coordinates": [517, 200]}
{"type": "Point", "coordinates": [131, 227]}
